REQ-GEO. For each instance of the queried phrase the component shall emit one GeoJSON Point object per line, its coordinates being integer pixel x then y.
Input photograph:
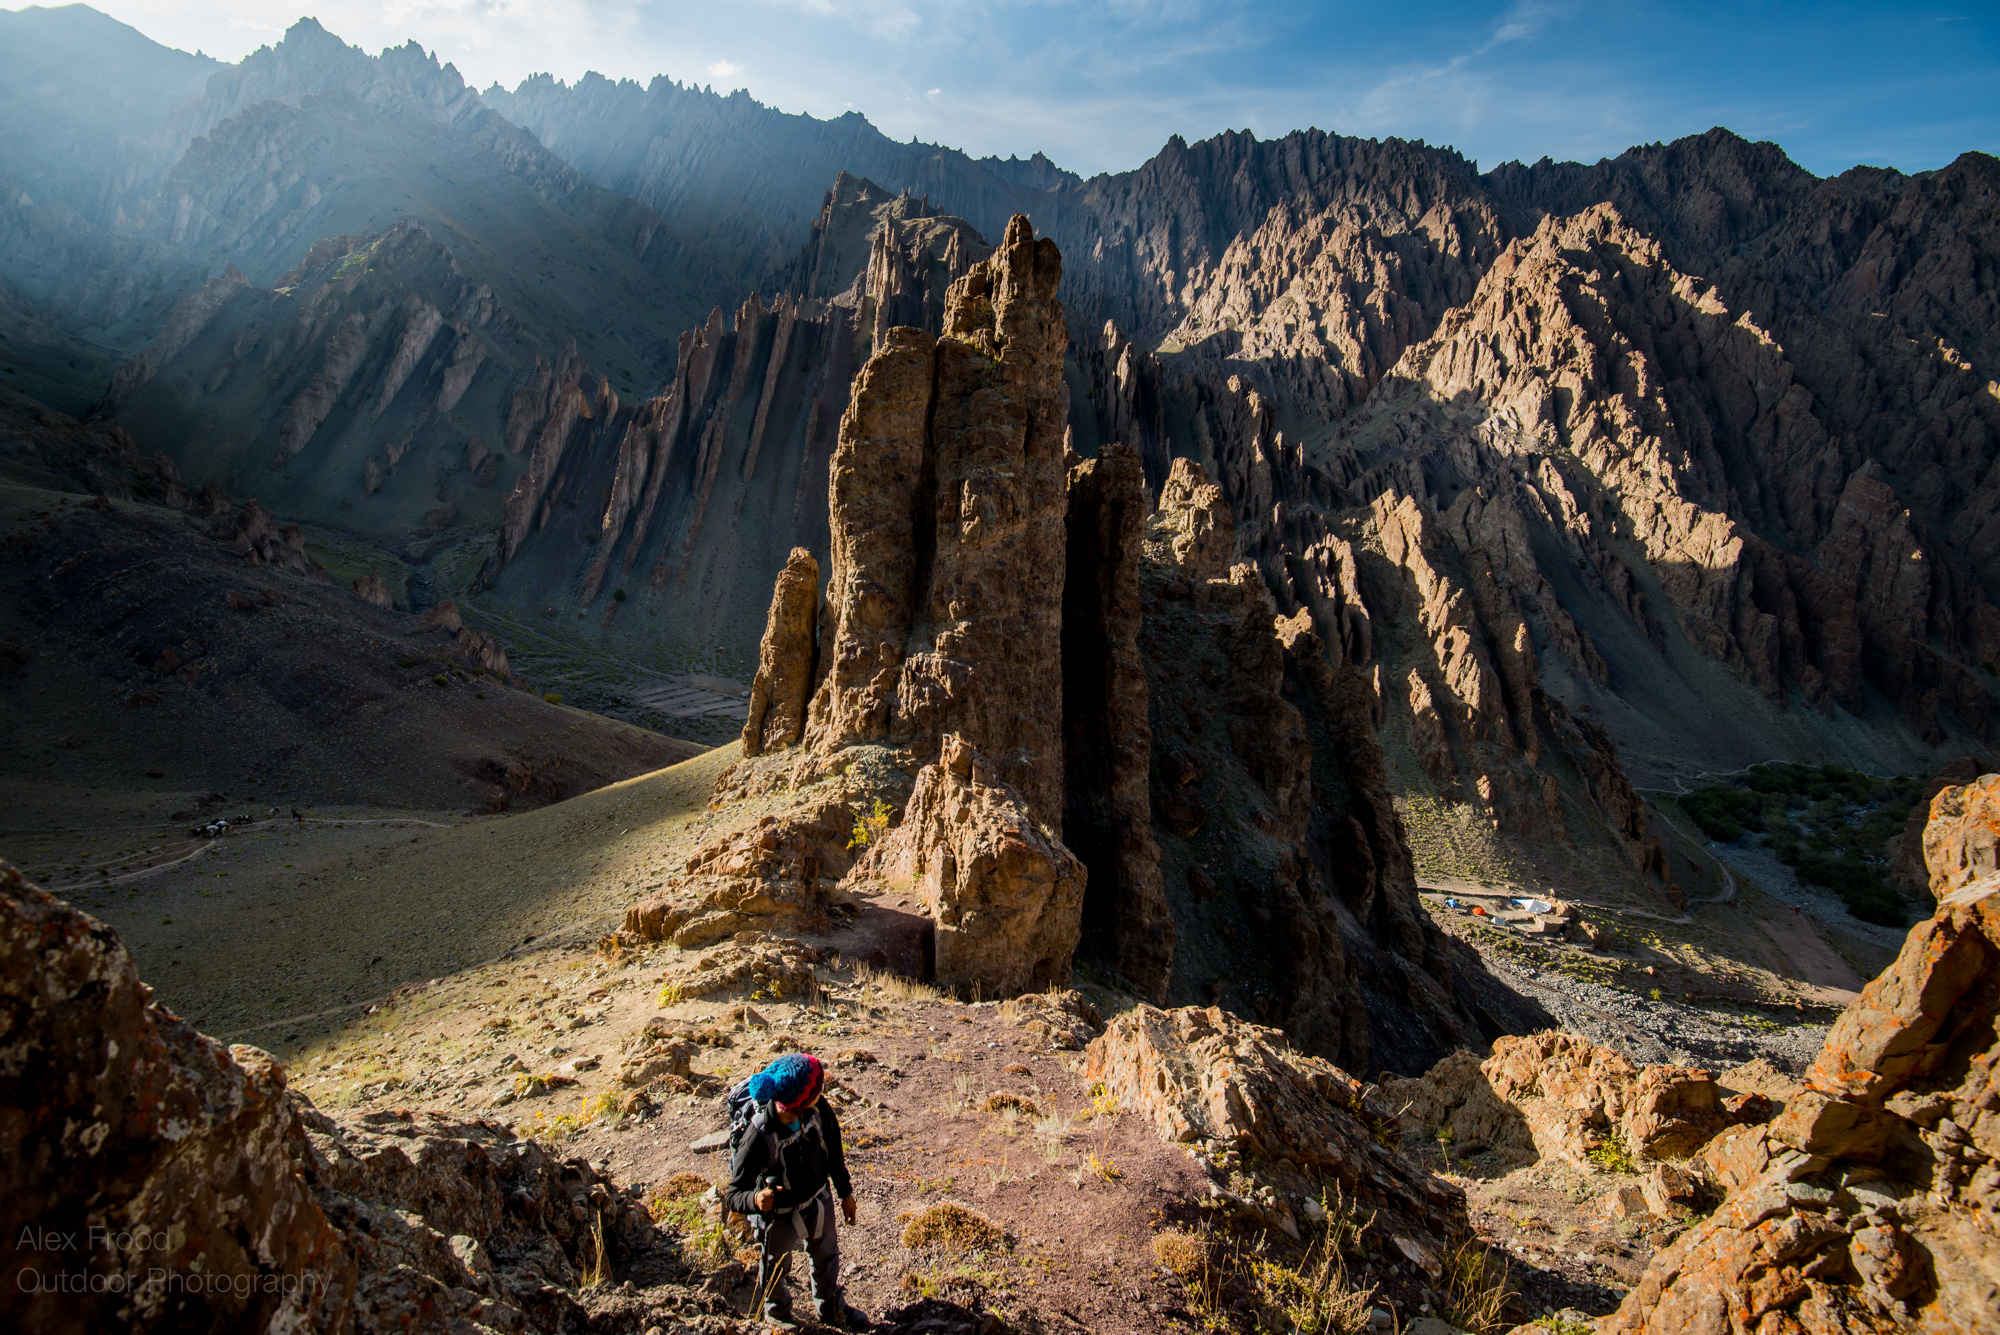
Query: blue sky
{"type": "Point", "coordinates": [1100, 87]}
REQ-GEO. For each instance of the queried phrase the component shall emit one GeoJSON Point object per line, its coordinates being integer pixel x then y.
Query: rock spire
{"type": "Point", "coordinates": [947, 498]}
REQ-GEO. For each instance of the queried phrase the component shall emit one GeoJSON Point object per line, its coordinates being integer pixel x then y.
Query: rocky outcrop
{"type": "Point", "coordinates": [155, 1180]}
{"type": "Point", "coordinates": [944, 607]}
{"type": "Point", "coordinates": [373, 590]}
{"type": "Point", "coordinates": [785, 659]}
{"type": "Point", "coordinates": [1908, 864]}
{"type": "Point", "coordinates": [1005, 897]}
{"type": "Point", "coordinates": [1962, 837]}
{"type": "Point", "coordinates": [1107, 736]}
{"type": "Point", "coordinates": [259, 536]}
{"type": "Point", "coordinates": [123, 1124]}
{"type": "Point", "coordinates": [1238, 1094]}
{"type": "Point", "coordinates": [480, 651]}
{"type": "Point", "coordinates": [1066, 1020]}
{"type": "Point", "coordinates": [1287, 871]}
{"type": "Point", "coordinates": [1870, 1202]}
{"type": "Point", "coordinates": [766, 966]}
{"type": "Point", "coordinates": [1553, 1095]}
{"type": "Point", "coordinates": [766, 878]}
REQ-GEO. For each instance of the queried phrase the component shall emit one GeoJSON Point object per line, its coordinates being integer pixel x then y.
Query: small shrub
{"type": "Point", "coordinates": [552, 697]}
{"type": "Point", "coordinates": [870, 826]}
{"type": "Point", "coordinates": [682, 1185]}
{"type": "Point", "coordinates": [1725, 811]}
{"type": "Point", "coordinates": [618, 597]}
{"type": "Point", "coordinates": [1005, 1100]}
{"type": "Point", "coordinates": [951, 1227]}
{"type": "Point", "coordinates": [1611, 1155]}
{"type": "Point", "coordinates": [1103, 1103]}
{"type": "Point", "coordinates": [1861, 887]}
{"type": "Point", "coordinates": [1191, 1257]}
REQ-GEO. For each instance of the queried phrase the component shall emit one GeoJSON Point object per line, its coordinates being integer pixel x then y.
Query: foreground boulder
{"type": "Point", "coordinates": [1006, 897]}
{"type": "Point", "coordinates": [1237, 1093]}
{"type": "Point", "coordinates": [765, 878]}
{"type": "Point", "coordinates": [148, 1176]}
{"type": "Point", "coordinates": [1872, 1202]}
{"type": "Point", "coordinates": [1961, 839]}
{"type": "Point", "coordinates": [153, 1180]}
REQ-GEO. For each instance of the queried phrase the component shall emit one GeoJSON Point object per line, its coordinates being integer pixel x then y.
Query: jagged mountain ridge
{"type": "Point", "coordinates": [1789, 557]}
{"type": "Point", "coordinates": [1245, 303]}
{"type": "Point", "coordinates": [1305, 268]}
{"type": "Point", "coordinates": [378, 231]}
{"type": "Point", "coordinates": [748, 179]}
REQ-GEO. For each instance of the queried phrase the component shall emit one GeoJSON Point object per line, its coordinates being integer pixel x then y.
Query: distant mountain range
{"type": "Point", "coordinates": [1660, 465]}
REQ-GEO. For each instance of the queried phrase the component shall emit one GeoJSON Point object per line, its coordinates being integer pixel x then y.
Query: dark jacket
{"type": "Point", "coordinates": [806, 1160]}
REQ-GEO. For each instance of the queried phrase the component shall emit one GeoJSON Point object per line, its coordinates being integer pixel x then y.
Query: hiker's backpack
{"type": "Point", "coordinates": [741, 1110]}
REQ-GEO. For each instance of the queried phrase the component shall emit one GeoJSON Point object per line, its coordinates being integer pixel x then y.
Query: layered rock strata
{"type": "Point", "coordinates": [153, 1180]}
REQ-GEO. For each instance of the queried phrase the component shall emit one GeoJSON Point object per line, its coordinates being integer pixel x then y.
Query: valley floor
{"type": "Point", "coordinates": [397, 957]}
{"type": "Point", "coordinates": [417, 959]}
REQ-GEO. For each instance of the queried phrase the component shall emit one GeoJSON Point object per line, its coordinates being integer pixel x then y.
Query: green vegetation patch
{"type": "Point", "coordinates": [1830, 825]}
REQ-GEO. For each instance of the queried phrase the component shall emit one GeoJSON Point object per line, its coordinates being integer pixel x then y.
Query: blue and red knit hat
{"type": "Point", "coordinates": [790, 1082]}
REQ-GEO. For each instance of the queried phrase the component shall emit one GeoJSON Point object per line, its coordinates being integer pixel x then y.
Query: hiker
{"type": "Point", "coordinates": [785, 1167]}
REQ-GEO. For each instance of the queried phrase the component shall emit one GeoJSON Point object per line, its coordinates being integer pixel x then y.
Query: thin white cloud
{"type": "Point", "coordinates": [725, 69]}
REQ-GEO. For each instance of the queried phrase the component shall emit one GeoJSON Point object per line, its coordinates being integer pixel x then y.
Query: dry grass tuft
{"type": "Point", "coordinates": [1195, 1261]}
{"type": "Point", "coordinates": [682, 1185]}
{"type": "Point", "coordinates": [1020, 1104]}
{"type": "Point", "coordinates": [1183, 1253]}
{"type": "Point", "coordinates": [893, 986]}
{"type": "Point", "coordinates": [1477, 1288]}
{"type": "Point", "coordinates": [951, 1227]}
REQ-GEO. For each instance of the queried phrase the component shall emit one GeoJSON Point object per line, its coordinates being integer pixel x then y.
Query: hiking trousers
{"type": "Point", "coordinates": [784, 1232]}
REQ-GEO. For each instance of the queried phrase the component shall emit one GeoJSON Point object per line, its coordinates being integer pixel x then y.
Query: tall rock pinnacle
{"type": "Point", "coordinates": [948, 502]}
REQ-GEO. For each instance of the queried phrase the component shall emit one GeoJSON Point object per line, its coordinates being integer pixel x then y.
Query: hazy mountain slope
{"type": "Point", "coordinates": [41, 359]}
{"type": "Point", "coordinates": [745, 181]}
{"type": "Point", "coordinates": [397, 260]}
{"type": "Point", "coordinates": [86, 100]}
{"type": "Point", "coordinates": [162, 649]}
{"type": "Point", "coordinates": [669, 521]}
